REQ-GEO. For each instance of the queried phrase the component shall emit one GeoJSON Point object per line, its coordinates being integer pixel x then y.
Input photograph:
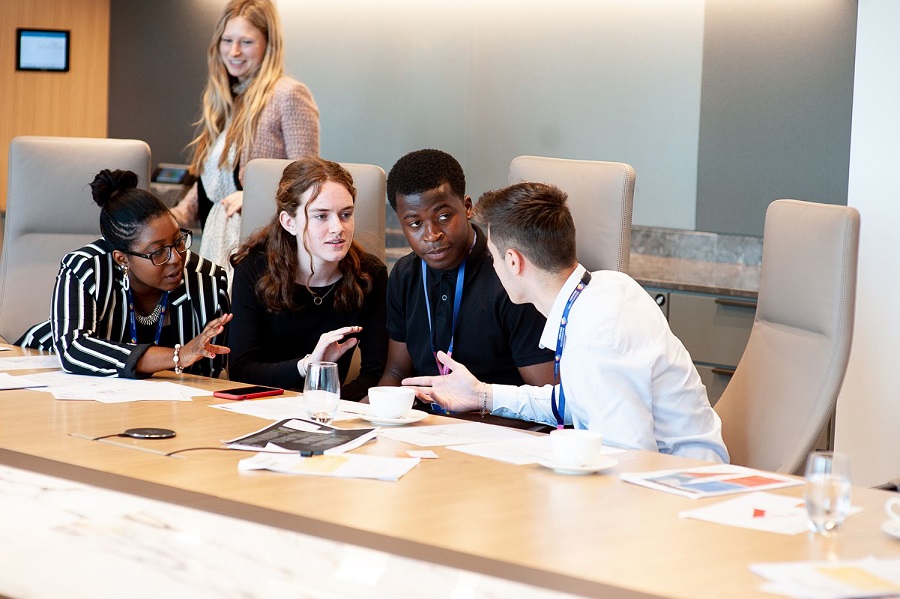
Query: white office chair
{"type": "Point", "coordinates": [784, 390]}
{"type": "Point", "coordinates": [600, 198]}
{"type": "Point", "coordinates": [261, 182]}
{"type": "Point", "coordinates": [49, 212]}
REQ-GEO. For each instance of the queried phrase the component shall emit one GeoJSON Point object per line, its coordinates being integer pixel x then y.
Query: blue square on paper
{"type": "Point", "coordinates": [714, 487]}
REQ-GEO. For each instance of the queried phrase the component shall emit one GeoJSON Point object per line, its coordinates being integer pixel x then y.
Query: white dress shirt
{"type": "Point", "coordinates": [624, 372]}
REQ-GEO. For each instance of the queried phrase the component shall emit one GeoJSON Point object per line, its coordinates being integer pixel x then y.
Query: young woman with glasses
{"type": "Point", "coordinates": [136, 301]}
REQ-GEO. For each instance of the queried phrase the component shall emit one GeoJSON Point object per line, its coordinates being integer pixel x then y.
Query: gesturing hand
{"type": "Point", "coordinates": [457, 391]}
{"type": "Point", "coordinates": [200, 346]}
{"type": "Point", "coordinates": [330, 349]}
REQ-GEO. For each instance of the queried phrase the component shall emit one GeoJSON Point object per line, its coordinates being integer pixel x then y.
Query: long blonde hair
{"type": "Point", "coordinates": [219, 104]}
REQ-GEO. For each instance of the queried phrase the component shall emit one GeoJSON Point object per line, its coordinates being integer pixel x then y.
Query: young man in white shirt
{"type": "Point", "coordinates": [621, 370]}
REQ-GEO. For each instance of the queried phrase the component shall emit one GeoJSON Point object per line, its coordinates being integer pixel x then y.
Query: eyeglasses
{"type": "Point", "coordinates": [164, 254]}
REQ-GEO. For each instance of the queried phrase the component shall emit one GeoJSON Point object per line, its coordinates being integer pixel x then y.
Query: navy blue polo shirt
{"type": "Point", "coordinates": [494, 336]}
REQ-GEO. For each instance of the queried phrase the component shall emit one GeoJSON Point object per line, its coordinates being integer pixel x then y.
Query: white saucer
{"type": "Point", "coordinates": [411, 416]}
{"type": "Point", "coordinates": [601, 463]}
{"type": "Point", "coordinates": [892, 527]}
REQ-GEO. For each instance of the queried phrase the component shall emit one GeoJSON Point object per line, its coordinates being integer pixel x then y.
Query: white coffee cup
{"type": "Point", "coordinates": [575, 447]}
{"type": "Point", "coordinates": [390, 402]}
{"type": "Point", "coordinates": [892, 508]}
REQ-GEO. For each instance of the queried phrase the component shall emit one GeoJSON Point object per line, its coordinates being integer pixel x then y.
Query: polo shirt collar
{"type": "Point", "coordinates": [551, 328]}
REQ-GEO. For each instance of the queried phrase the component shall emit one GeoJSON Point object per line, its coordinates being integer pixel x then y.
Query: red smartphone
{"type": "Point", "coordinates": [250, 392]}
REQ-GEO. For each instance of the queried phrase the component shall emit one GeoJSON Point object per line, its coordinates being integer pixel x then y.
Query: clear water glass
{"type": "Point", "coordinates": [321, 391]}
{"type": "Point", "coordinates": [827, 491]}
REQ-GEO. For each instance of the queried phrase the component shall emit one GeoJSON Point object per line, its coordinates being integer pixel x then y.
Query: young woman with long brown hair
{"type": "Point", "coordinates": [304, 290]}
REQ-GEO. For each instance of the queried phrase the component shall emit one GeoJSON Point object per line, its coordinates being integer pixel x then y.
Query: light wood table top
{"type": "Point", "coordinates": [590, 535]}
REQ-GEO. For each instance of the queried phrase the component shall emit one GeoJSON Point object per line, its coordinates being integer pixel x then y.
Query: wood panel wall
{"type": "Point", "coordinates": [70, 104]}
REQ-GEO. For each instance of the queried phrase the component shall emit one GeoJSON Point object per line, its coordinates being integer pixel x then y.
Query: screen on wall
{"type": "Point", "coordinates": [42, 50]}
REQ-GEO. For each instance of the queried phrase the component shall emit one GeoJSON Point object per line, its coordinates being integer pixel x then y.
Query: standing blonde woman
{"type": "Point", "coordinates": [250, 110]}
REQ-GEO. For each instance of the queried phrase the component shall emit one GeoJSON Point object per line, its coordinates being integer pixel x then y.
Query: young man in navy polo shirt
{"type": "Point", "coordinates": [462, 307]}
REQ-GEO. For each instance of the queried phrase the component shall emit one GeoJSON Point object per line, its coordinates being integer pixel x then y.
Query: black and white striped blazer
{"type": "Point", "coordinates": [89, 324]}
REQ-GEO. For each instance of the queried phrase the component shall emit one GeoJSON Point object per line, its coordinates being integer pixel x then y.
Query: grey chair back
{"type": "Point", "coordinates": [785, 388]}
{"type": "Point", "coordinates": [600, 198]}
{"type": "Point", "coordinates": [49, 212]}
{"type": "Point", "coordinates": [261, 183]}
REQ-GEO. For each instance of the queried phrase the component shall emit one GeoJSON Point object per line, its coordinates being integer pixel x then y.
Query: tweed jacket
{"type": "Point", "coordinates": [288, 127]}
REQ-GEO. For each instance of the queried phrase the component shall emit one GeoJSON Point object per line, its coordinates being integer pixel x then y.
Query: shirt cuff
{"type": "Point", "coordinates": [505, 396]}
{"type": "Point", "coordinates": [129, 370]}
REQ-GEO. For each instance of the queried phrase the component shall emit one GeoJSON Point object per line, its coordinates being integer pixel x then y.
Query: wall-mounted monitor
{"type": "Point", "coordinates": [42, 50]}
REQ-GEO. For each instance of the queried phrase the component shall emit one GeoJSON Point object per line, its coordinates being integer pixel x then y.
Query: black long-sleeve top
{"type": "Point", "coordinates": [266, 346]}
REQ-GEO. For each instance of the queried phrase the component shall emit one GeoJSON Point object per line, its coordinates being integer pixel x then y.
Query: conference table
{"type": "Point", "coordinates": [520, 530]}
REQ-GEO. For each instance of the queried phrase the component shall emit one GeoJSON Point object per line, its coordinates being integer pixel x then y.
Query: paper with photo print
{"type": "Point", "coordinates": [710, 481]}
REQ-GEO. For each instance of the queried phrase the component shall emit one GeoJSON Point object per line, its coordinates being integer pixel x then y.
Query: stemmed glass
{"type": "Point", "coordinates": [827, 491]}
{"type": "Point", "coordinates": [321, 391]}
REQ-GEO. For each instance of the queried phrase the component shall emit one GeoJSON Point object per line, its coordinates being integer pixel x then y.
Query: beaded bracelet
{"type": "Point", "coordinates": [177, 359]}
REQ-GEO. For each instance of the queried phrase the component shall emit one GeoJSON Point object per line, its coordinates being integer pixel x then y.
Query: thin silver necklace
{"type": "Point", "coordinates": [318, 299]}
{"type": "Point", "coordinates": [151, 318]}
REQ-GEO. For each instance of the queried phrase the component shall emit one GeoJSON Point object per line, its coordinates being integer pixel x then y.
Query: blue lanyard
{"type": "Point", "coordinates": [457, 300]}
{"type": "Point", "coordinates": [559, 411]}
{"type": "Point", "coordinates": [162, 317]}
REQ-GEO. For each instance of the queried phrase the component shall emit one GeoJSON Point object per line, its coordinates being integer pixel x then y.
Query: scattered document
{"type": "Point", "coordinates": [710, 481]}
{"type": "Point", "coordinates": [759, 511]}
{"type": "Point", "coordinates": [868, 577]}
{"type": "Point", "coordinates": [340, 466]}
{"type": "Point", "coordinates": [63, 385]}
{"type": "Point", "coordinates": [305, 437]}
{"type": "Point", "coordinates": [8, 381]}
{"type": "Point", "coordinates": [29, 362]}
{"type": "Point", "coordinates": [424, 454]}
{"type": "Point", "coordinates": [453, 434]}
{"type": "Point", "coordinates": [520, 451]}
{"type": "Point", "coordinates": [288, 406]}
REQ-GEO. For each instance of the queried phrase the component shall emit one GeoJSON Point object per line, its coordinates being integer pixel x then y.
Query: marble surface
{"type": "Point", "coordinates": [67, 539]}
{"type": "Point", "coordinates": [698, 246]}
{"type": "Point", "coordinates": [679, 274]}
{"type": "Point", "coordinates": [696, 261]}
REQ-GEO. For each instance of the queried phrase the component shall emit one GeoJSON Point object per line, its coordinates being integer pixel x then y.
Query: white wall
{"type": "Point", "coordinates": [510, 77]}
{"type": "Point", "coordinates": [868, 417]}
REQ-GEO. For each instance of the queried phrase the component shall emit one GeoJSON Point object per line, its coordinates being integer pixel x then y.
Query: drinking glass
{"type": "Point", "coordinates": [321, 391]}
{"type": "Point", "coordinates": [827, 491]}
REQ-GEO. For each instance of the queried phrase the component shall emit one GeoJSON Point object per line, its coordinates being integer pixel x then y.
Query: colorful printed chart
{"type": "Point", "coordinates": [710, 481]}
